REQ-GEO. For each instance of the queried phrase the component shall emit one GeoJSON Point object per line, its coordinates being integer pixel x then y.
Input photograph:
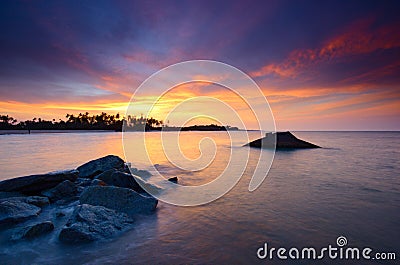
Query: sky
{"type": "Point", "coordinates": [322, 65]}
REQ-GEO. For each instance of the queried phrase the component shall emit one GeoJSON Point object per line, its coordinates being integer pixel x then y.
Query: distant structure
{"type": "Point", "coordinates": [284, 140]}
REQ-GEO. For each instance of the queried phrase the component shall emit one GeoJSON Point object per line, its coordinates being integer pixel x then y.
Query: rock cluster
{"type": "Point", "coordinates": [103, 196]}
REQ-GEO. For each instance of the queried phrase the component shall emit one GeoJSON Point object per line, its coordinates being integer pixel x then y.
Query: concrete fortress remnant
{"type": "Point", "coordinates": [284, 140]}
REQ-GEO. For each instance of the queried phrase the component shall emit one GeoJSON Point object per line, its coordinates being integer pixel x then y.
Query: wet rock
{"type": "Point", "coordinates": [37, 200]}
{"type": "Point", "coordinates": [119, 199]}
{"type": "Point", "coordinates": [7, 194]}
{"type": "Point", "coordinates": [66, 190]}
{"type": "Point", "coordinates": [89, 223]}
{"type": "Point", "coordinates": [281, 140]}
{"type": "Point", "coordinates": [34, 200]}
{"type": "Point", "coordinates": [33, 231]}
{"type": "Point", "coordinates": [15, 211]}
{"type": "Point", "coordinates": [98, 182]}
{"type": "Point", "coordinates": [139, 172]}
{"type": "Point", "coordinates": [83, 182]}
{"type": "Point", "coordinates": [97, 166]}
{"type": "Point", "coordinates": [35, 184]}
{"type": "Point", "coordinates": [173, 179]}
{"type": "Point", "coordinates": [120, 179]}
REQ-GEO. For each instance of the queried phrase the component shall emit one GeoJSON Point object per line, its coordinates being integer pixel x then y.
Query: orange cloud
{"type": "Point", "coordinates": [357, 39]}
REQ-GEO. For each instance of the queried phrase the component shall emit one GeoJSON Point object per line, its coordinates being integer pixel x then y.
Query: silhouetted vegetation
{"type": "Point", "coordinates": [82, 121]}
{"type": "Point", "coordinates": [103, 121]}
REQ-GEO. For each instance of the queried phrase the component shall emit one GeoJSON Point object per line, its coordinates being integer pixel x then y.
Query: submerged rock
{"type": "Point", "coordinates": [66, 190]}
{"type": "Point", "coordinates": [97, 166]}
{"type": "Point", "coordinates": [15, 211]}
{"type": "Point", "coordinates": [89, 223]}
{"type": "Point", "coordinates": [35, 184]}
{"type": "Point", "coordinates": [34, 230]}
{"type": "Point", "coordinates": [119, 199]}
{"type": "Point", "coordinates": [281, 140]}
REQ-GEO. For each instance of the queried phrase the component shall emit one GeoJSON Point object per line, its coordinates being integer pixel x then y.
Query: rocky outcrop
{"type": "Point", "coordinates": [34, 200]}
{"type": "Point", "coordinates": [66, 190]}
{"type": "Point", "coordinates": [119, 199]}
{"type": "Point", "coordinates": [173, 179]}
{"type": "Point", "coordinates": [97, 166]}
{"type": "Point", "coordinates": [281, 140]}
{"type": "Point", "coordinates": [89, 223]}
{"type": "Point", "coordinates": [15, 211]}
{"type": "Point", "coordinates": [35, 184]}
{"type": "Point", "coordinates": [33, 231]}
{"type": "Point", "coordinates": [120, 179]}
{"type": "Point", "coordinates": [107, 205]}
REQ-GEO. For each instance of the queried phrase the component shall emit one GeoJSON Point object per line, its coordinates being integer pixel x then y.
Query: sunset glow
{"type": "Point", "coordinates": [324, 68]}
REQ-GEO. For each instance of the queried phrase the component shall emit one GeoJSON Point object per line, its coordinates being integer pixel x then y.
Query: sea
{"type": "Point", "coordinates": [343, 195]}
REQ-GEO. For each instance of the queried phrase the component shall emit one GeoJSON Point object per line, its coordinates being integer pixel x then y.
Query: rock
{"type": "Point", "coordinates": [65, 190]}
{"type": "Point", "coordinates": [89, 223]}
{"type": "Point", "coordinates": [60, 214]}
{"type": "Point", "coordinates": [120, 179]}
{"type": "Point", "coordinates": [37, 200]}
{"type": "Point", "coordinates": [97, 166]}
{"type": "Point", "coordinates": [98, 182]}
{"type": "Point", "coordinates": [34, 184]}
{"type": "Point", "coordinates": [139, 172]}
{"type": "Point", "coordinates": [7, 194]}
{"type": "Point", "coordinates": [83, 182]}
{"type": "Point", "coordinates": [173, 179]}
{"type": "Point", "coordinates": [282, 140]}
{"type": "Point", "coordinates": [34, 200]}
{"type": "Point", "coordinates": [119, 199]}
{"type": "Point", "coordinates": [15, 211]}
{"type": "Point", "coordinates": [33, 231]}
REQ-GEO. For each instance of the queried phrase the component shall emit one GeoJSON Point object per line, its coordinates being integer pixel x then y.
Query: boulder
{"type": "Point", "coordinates": [281, 140]}
{"type": "Point", "coordinates": [34, 184]}
{"type": "Point", "coordinates": [98, 182]}
{"type": "Point", "coordinates": [97, 166]}
{"type": "Point", "coordinates": [173, 179]}
{"type": "Point", "coordinates": [66, 190]}
{"type": "Point", "coordinates": [32, 231]}
{"type": "Point", "coordinates": [119, 199]}
{"type": "Point", "coordinates": [89, 223]}
{"type": "Point", "coordinates": [120, 179]}
{"type": "Point", "coordinates": [34, 200]}
{"type": "Point", "coordinates": [15, 211]}
{"type": "Point", "coordinates": [8, 194]}
{"type": "Point", "coordinates": [83, 182]}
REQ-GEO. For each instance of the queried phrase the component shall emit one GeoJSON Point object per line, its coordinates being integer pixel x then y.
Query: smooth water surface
{"type": "Point", "coordinates": [351, 187]}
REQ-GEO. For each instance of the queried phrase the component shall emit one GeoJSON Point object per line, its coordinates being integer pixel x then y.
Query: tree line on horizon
{"type": "Point", "coordinates": [82, 121]}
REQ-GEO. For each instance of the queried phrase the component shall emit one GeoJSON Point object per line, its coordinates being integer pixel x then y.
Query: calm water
{"type": "Point", "coordinates": [310, 197]}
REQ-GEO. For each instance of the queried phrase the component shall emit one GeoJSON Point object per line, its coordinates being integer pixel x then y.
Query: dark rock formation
{"type": "Point", "coordinates": [7, 194]}
{"type": "Point", "coordinates": [173, 179]}
{"type": "Point", "coordinates": [97, 166]}
{"type": "Point", "coordinates": [120, 179]}
{"type": "Point", "coordinates": [119, 199]}
{"type": "Point", "coordinates": [32, 231]}
{"type": "Point", "coordinates": [66, 190]}
{"type": "Point", "coordinates": [89, 223]}
{"type": "Point", "coordinates": [283, 140]}
{"type": "Point", "coordinates": [34, 200]}
{"type": "Point", "coordinates": [15, 211]}
{"type": "Point", "coordinates": [34, 184]}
